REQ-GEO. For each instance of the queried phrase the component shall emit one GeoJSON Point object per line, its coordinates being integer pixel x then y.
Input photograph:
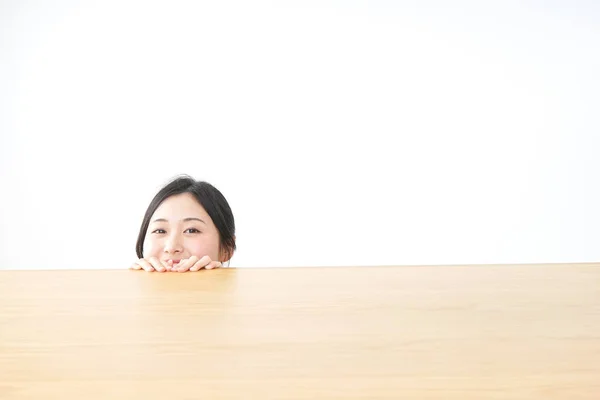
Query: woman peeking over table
{"type": "Point", "coordinates": [188, 226]}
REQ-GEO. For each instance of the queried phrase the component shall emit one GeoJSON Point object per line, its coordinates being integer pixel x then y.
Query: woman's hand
{"type": "Point", "coordinates": [191, 264]}
{"type": "Point", "coordinates": [150, 264]}
{"type": "Point", "coordinates": [195, 264]}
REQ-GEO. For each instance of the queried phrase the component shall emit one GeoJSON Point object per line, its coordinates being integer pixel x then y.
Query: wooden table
{"type": "Point", "coordinates": [457, 332]}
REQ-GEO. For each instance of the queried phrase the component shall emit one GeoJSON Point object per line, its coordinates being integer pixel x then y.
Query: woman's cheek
{"type": "Point", "coordinates": [201, 249]}
{"type": "Point", "coordinates": [151, 248]}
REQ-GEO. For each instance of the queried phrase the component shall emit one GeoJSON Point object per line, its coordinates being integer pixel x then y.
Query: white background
{"type": "Point", "coordinates": [341, 132]}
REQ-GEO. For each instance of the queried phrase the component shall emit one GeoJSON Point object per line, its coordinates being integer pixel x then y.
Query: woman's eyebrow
{"type": "Point", "coordinates": [184, 220]}
{"type": "Point", "coordinates": [193, 219]}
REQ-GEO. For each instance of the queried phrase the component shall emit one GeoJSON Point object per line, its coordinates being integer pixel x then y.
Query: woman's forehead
{"type": "Point", "coordinates": [178, 207]}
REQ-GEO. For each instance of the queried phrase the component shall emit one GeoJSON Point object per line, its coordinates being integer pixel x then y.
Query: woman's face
{"type": "Point", "coordinates": [181, 228]}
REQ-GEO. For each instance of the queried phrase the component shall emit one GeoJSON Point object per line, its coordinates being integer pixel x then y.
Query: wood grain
{"type": "Point", "coordinates": [439, 332]}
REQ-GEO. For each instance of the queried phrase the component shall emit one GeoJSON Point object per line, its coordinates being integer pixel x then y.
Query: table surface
{"type": "Point", "coordinates": [429, 332]}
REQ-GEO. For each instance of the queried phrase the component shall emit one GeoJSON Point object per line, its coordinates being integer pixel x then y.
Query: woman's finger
{"type": "Point", "coordinates": [136, 266]}
{"type": "Point", "coordinates": [202, 263]}
{"type": "Point", "coordinates": [214, 264]}
{"type": "Point", "coordinates": [184, 265]}
{"type": "Point", "coordinates": [145, 265]}
{"type": "Point", "coordinates": [157, 264]}
{"type": "Point", "coordinates": [172, 267]}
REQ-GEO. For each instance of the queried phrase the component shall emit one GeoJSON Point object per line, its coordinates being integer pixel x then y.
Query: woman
{"type": "Point", "coordinates": [188, 226]}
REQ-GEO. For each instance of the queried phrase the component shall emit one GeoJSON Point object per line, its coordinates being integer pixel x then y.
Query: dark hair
{"type": "Point", "coordinates": [209, 197]}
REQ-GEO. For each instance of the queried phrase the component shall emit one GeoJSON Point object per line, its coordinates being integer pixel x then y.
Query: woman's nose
{"type": "Point", "coordinates": [173, 244]}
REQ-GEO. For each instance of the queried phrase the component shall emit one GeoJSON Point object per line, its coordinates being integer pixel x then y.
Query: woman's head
{"type": "Point", "coordinates": [187, 218]}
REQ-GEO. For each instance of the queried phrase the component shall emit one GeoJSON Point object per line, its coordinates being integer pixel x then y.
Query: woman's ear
{"type": "Point", "coordinates": [226, 253]}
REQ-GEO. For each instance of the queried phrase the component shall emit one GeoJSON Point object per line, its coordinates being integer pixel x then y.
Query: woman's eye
{"type": "Point", "coordinates": [192, 230]}
{"type": "Point", "coordinates": [159, 231]}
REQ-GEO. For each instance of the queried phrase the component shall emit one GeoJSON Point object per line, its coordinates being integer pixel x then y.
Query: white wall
{"type": "Point", "coordinates": [341, 132]}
